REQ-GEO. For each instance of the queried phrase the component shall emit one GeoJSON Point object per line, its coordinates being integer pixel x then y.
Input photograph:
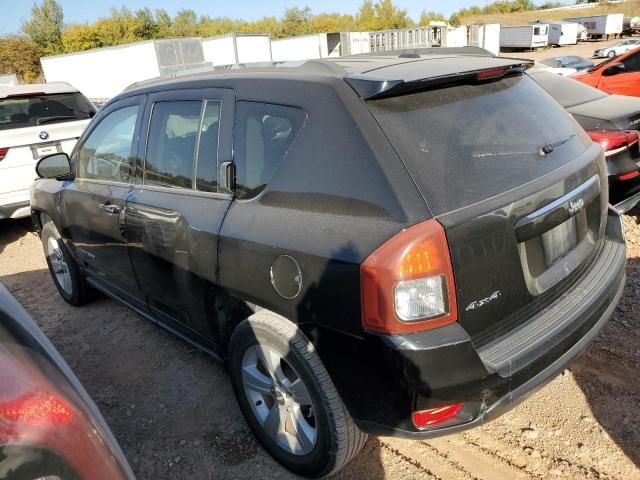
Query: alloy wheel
{"type": "Point", "coordinates": [59, 265]}
{"type": "Point", "coordinates": [279, 400]}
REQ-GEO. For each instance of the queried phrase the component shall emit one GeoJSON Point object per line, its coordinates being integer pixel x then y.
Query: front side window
{"type": "Point", "coordinates": [263, 135]}
{"type": "Point", "coordinates": [632, 63]}
{"type": "Point", "coordinates": [207, 169]}
{"type": "Point", "coordinates": [106, 154]}
{"type": "Point", "coordinates": [173, 134]}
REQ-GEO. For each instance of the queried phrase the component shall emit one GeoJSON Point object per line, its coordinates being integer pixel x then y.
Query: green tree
{"type": "Point", "coordinates": [185, 23]}
{"type": "Point", "coordinates": [391, 16]}
{"type": "Point", "coordinates": [20, 55]}
{"type": "Point", "coordinates": [164, 23]}
{"type": "Point", "coordinates": [45, 27]}
{"type": "Point", "coordinates": [79, 37]}
{"type": "Point", "coordinates": [296, 21]}
{"type": "Point", "coordinates": [427, 17]}
{"type": "Point", "coordinates": [366, 18]}
{"type": "Point", "coordinates": [145, 26]}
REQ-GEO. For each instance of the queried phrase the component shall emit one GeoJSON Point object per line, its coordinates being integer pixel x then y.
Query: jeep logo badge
{"type": "Point", "coordinates": [43, 135]}
{"type": "Point", "coordinates": [575, 207]}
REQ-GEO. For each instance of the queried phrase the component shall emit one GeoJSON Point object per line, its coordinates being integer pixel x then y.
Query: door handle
{"type": "Point", "coordinates": [110, 209]}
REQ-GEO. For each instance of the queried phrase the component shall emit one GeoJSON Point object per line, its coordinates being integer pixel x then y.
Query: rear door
{"type": "Point", "coordinates": [94, 204]}
{"type": "Point", "coordinates": [626, 82]}
{"type": "Point", "coordinates": [176, 208]}
{"type": "Point", "coordinates": [519, 187]}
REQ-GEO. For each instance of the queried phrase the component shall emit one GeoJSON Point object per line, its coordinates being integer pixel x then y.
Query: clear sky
{"type": "Point", "coordinates": [15, 11]}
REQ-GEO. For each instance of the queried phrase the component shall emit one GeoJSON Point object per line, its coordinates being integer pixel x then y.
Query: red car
{"type": "Point", "coordinates": [619, 75]}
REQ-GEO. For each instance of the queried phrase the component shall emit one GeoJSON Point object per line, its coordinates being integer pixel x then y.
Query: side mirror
{"type": "Point", "coordinates": [615, 69]}
{"type": "Point", "coordinates": [56, 166]}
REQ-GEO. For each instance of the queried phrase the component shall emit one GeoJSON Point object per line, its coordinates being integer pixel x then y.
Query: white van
{"type": "Point", "coordinates": [35, 120]}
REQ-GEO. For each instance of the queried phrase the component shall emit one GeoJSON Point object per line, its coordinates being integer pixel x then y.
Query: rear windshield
{"type": "Point", "coordinates": [33, 110]}
{"type": "Point", "coordinates": [466, 143]}
{"type": "Point", "coordinates": [566, 91]}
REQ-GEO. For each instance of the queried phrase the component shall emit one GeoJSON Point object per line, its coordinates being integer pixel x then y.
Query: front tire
{"type": "Point", "coordinates": [64, 270]}
{"type": "Point", "coordinates": [611, 54]}
{"type": "Point", "coordinates": [288, 398]}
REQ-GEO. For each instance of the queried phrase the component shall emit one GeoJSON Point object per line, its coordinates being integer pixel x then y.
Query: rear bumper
{"type": "Point", "coordinates": [440, 367]}
{"type": "Point", "coordinates": [14, 204]}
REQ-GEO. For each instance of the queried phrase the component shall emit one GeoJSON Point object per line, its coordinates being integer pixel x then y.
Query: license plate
{"type": "Point", "coordinates": [44, 150]}
{"type": "Point", "coordinates": [559, 241]}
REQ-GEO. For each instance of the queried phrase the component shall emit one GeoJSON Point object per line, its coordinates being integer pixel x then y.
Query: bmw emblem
{"type": "Point", "coordinates": [43, 135]}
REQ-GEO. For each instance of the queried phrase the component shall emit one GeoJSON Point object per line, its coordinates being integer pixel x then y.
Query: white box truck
{"type": "Point", "coordinates": [318, 45]}
{"type": "Point", "coordinates": [524, 36]}
{"type": "Point", "coordinates": [600, 26]}
{"type": "Point", "coordinates": [103, 73]}
{"type": "Point", "coordinates": [9, 79]}
{"type": "Point", "coordinates": [561, 33]}
{"type": "Point", "coordinates": [237, 48]}
{"type": "Point", "coordinates": [484, 36]}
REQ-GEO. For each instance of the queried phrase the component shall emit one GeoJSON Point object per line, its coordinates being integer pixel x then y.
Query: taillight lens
{"type": "Point", "coordinates": [407, 283]}
{"type": "Point", "coordinates": [3, 153]}
{"type": "Point", "coordinates": [614, 141]}
{"type": "Point", "coordinates": [37, 410]}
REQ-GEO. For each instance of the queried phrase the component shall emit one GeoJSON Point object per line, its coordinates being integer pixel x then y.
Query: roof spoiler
{"type": "Point", "coordinates": [370, 88]}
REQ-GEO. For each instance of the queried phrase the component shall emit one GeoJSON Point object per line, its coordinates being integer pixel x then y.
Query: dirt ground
{"type": "Point", "coordinates": [172, 408]}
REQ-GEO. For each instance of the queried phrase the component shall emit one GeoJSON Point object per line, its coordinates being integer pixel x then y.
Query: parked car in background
{"type": "Point", "coordinates": [399, 246]}
{"type": "Point", "coordinates": [35, 120]}
{"type": "Point", "coordinates": [49, 427]}
{"type": "Point", "coordinates": [567, 61]}
{"type": "Point", "coordinates": [611, 120]}
{"type": "Point", "coordinates": [563, 72]}
{"type": "Point", "coordinates": [620, 75]}
{"type": "Point", "coordinates": [617, 49]}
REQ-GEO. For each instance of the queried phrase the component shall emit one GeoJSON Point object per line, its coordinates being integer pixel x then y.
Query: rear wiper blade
{"type": "Point", "coordinates": [550, 147]}
{"type": "Point", "coordinates": [42, 120]}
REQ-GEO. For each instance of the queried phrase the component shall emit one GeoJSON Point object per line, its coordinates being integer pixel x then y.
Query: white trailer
{"type": "Point", "coordinates": [484, 36]}
{"type": "Point", "coordinates": [102, 73]}
{"type": "Point", "coordinates": [306, 47]}
{"type": "Point", "coordinates": [561, 33]}
{"type": "Point", "coordinates": [524, 36]}
{"type": "Point", "coordinates": [457, 36]}
{"type": "Point", "coordinates": [600, 26]}
{"type": "Point", "coordinates": [237, 48]}
{"type": "Point", "coordinates": [9, 79]}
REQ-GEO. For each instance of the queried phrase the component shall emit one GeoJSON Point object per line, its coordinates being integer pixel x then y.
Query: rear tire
{"type": "Point", "coordinates": [64, 270]}
{"type": "Point", "coordinates": [269, 353]}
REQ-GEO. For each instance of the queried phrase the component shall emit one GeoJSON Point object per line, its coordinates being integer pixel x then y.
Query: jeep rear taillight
{"type": "Point", "coordinates": [407, 283]}
{"type": "Point", "coordinates": [614, 141]}
{"type": "Point", "coordinates": [3, 153]}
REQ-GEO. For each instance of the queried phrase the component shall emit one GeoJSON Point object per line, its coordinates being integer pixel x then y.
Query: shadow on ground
{"type": "Point", "coordinates": [608, 373]}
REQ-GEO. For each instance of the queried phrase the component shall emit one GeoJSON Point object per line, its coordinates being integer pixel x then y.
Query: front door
{"type": "Point", "coordinates": [94, 204]}
{"type": "Point", "coordinates": [175, 210]}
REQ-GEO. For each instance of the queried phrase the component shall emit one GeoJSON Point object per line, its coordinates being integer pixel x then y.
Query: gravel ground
{"type": "Point", "coordinates": [173, 411]}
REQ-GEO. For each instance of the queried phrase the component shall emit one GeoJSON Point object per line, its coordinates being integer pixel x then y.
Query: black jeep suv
{"type": "Point", "coordinates": [383, 245]}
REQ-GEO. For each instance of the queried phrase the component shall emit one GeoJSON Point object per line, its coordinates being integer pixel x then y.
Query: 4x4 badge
{"type": "Point", "coordinates": [481, 303]}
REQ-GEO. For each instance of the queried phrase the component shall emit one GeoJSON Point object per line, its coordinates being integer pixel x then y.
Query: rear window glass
{"type": "Point", "coordinates": [20, 112]}
{"type": "Point", "coordinates": [466, 143]}
{"type": "Point", "coordinates": [565, 91]}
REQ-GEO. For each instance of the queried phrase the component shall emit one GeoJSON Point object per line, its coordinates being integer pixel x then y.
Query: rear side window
{"type": "Point", "coordinates": [106, 154]}
{"type": "Point", "coordinates": [173, 133]}
{"type": "Point", "coordinates": [263, 135]}
{"type": "Point", "coordinates": [468, 142]}
{"type": "Point", "coordinates": [33, 110]}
